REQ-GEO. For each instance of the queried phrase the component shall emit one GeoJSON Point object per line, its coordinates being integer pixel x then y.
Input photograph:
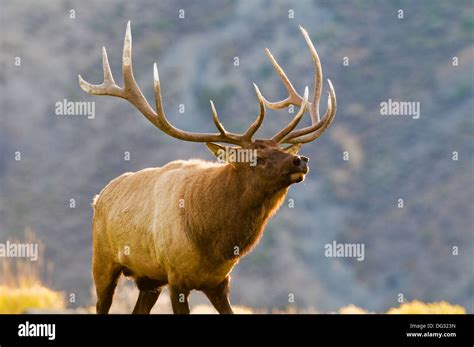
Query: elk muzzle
{"type": "Point", "coordinates": [301, 168]}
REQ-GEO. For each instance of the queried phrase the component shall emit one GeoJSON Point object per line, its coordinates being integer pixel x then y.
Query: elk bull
{"type": "Point", "coordinates": [186, 224]}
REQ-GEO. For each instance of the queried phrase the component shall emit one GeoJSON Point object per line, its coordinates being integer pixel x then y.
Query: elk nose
{"type": "Point", "coordinates": [297, 161]}
{"type": "Point", "coordinates": [301, 162]}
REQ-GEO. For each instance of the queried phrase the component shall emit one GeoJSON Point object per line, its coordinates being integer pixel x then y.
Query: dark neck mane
{"type": "Point", "coordinates": [231, 220]}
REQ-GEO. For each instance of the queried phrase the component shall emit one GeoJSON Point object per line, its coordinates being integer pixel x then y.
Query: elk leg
{"type": "Point", "coordinates": [219, 297]}
{"type": "Point", "coordinates": [146, 301]}
{"type": "Point", "coordinates": [105, 283]}
{"type": "Point", "coordinates": [179, 300]}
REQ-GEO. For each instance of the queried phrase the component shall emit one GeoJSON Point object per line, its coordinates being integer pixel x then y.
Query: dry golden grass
{"type": "Point", "coordinates": [352, 309]}
{"type": "Point", "coordinates": [419, 307]}
{"type": "Point", "coordinates": [18, 300]}
{"type": "Point", "coordinates": [21, 287]}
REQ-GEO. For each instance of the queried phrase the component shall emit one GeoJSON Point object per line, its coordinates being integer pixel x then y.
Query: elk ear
{"type": "Point", "coordinates": [222, 153]}
{"type": "Point", "coordinates": [293, 149]}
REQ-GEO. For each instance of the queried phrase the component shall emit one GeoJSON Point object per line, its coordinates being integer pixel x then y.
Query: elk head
{"type": "Point", "coordinates": [267, 160]}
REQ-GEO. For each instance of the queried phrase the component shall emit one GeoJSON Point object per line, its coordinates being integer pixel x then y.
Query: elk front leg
{"type": "Point", "coordinates": [219, 297]}
{"type": "Point", "coordinates": [179, 299]}
{"type": "Point", "coordinates": [105, 277]}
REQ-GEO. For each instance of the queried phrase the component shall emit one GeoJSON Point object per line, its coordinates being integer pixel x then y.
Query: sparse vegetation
{"type": "Point", "coordinates": [25, 297]}
{"type": "Point", "coordinates": [419, 307]}
{"type": "Point", "coordinates": [21, 287]}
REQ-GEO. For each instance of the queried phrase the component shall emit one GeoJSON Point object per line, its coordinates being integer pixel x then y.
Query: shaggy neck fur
{"type": "Point", "coordinates": [232, 224]}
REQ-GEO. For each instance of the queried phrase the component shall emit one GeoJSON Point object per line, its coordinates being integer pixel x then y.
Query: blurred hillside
{"type": "Point", "coordinates": [408, 250]}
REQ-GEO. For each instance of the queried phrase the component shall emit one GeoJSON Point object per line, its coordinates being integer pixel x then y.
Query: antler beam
{"type": "Point", "coordinates": [132, 93]}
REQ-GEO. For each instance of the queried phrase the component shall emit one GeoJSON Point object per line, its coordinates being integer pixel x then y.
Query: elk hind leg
{"type": "Point", "coordinates": [150, 290]}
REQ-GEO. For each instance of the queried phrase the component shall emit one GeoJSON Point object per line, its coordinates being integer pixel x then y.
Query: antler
{"type": "Point", "coordinates": [132, 93]}
{"type": "Point", "coordinates": [318, 126]}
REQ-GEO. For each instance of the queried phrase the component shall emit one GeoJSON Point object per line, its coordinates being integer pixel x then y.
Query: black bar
{"type": "Point", "coordinates": [314, 329]}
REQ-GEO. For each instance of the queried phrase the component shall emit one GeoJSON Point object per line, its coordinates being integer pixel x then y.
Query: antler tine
{"type": "Point", "coordinates": [247, 136]}
{"type": "Point", "coordinates": [294, 122]}
{"type": "Point", "coordinates": [108, 86]}
{"type": "Point", "coordinates": [295, 99]}
{"type": "Point", "coordinates": [108, 77]}
{"type": "Point", "coordinates": [215, 118]}
{"type": "Point", "coordinates": [318, 77]}
{"type": "Point", "coordinates": [259, 120]}
{"type": "Point", "coordinates": [293, 96]}
{"type": "Point", "coordinates": [131, 90]}
{"type": "Point", "coordinates": [316, 130]}
{"type": "Point", "coordinates": [127, 68]}
{"type": "Point", "coordinates": [168, 128]}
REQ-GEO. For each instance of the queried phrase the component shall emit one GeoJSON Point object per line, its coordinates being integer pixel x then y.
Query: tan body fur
{"type": "Point", "coordinates": [176, 224]}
